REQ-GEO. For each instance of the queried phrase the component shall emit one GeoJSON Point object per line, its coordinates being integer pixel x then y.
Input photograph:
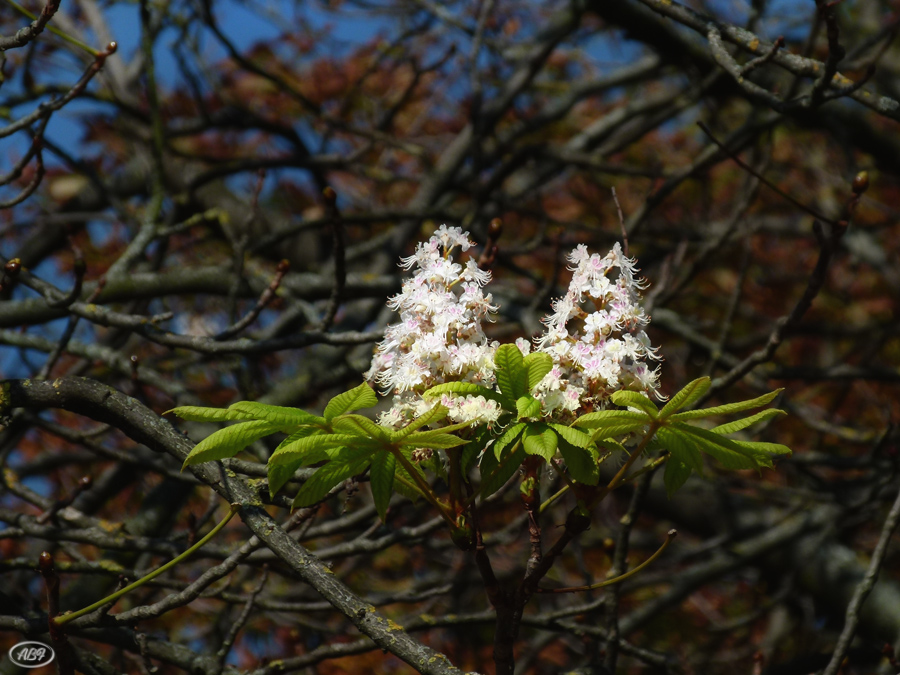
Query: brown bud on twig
{"type": "Point", "coordinates": [51, 580]}
{"type": "Point", "coordinates": [13, 267]}
{"type": "Point", "coordinates": [45, 563]}
{"type": "Point", "coordinates": [463, 535]}
{"type": "Point", "coordinates": [495, 229]}
{"type": "Point", "coordinates": [861, 182]}
{"type": "Point", "coordinates": [489, 254]}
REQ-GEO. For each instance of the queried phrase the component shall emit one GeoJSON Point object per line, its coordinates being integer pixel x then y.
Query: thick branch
{"type": "Point", "coordinates": [105, 404]}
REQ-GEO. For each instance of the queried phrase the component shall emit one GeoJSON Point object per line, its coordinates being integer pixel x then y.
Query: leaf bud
{"type": "Point", "coordinates": [578, 520]}
{"type": "Point", "coordinates": [13, 266]}
{"type": "Point", "coordinates": [463, 535]}
{"type": "Point", "coordinates": [45, 562]}
{"type": "Point", "coordinates": [861, 182]}
{"type": "Point", "coordinates": [495, 229]}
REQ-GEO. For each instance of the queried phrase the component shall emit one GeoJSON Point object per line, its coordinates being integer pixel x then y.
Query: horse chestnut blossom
{"type": "Point", "coordinates": [607, 346]}
{"type": "Point", "coordinates": [439, 337]}
{"type": "Point", "coordinates": [595, 336]}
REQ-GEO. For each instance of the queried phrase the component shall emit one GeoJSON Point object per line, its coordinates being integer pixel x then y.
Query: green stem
{"type": "Point", "coordinates": [454, 470]}
{"type": "Point", "coordinates": [424, 488]}
{"type": "Point", "coordinates": [509, 455]}
{"type": "Point", "coordinates": [619, 478]}
{"type": "Point", "coordinates": [552, 498]}
{"type": "Point", "coordinates": [649, 466]}
{"type": "Point", "coordinates": [65, 618]}
{"type": "Point", "coordinates": [619, 579]}
{"type": "Point", "coordinates": [409, 485]}
{"type": "Point", "coordinates": [56, 31]}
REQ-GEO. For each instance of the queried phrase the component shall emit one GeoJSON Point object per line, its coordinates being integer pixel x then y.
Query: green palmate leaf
{"type": "Point", "coordinates": [729, 453]}
{"type": "Point", "coordinates": [193, 413]}
{"type": "Point", "coordinates": [571, 435]}
{"type": "Point", "coordinates": [381, 474]}
{"type": "Point", "coordinates": [740, 424]}
{"type": "Point", "coordinates": [344, 453]}
{"type": "Point", "coordinates": [610, 423]}
{"type": "Point", "coordinates": [632, 399]}
{"type": "Point", "coordinates": [763, 452]}
{"type": "Point", "coordinates": [322, 481]}
{"type": "Point", "coordinates": [287, 453]}
{"type": "Point", "coordinates": [537, 365]}
{"type": "Point", "coordinates": [304, 432]}
{"type": "Point", "coordinates": [228, 442]}
{"type": "Point", "coordinates": [728, 408]}
{"type": "Point", "coordinates": [676, 475]}
{"type": "Point", "coordinates": [418, 438]}
{"type": "Point", "coordinates": [690, 394]}
{"type": "Point", "coordinates": [437, 439]}
{"type": "Point", "coordinates": [404, 483]}
{"type": "Point", "coordinates": [539, 439]}
{"type": "Point", "coordinates": [279, 474]}
{"type": "Point", "coordinates": [611, 418]}
{"type": "Point", "coordinates": [770, 449]}
{"type": "Point", "coordinates": [610, 444]}
{"type": "Point", "coordinates": [464, 389]}
{"type": "Point", "coordinates": [436, 414]}
{"type": "Point", "coordinates": [763, 459]}
{"type": "Point", "coordinates": [494, 473]}
{"type": "Point", "coordinates": [507, 437]}
{"type": "Point", "coordinates": [682, 448]}
{"type": "Point", "coordinates": [355, 399]}
{"type": "Point", "coordinates": [582, 462]}
{"type": "Point", "coordinates": [653, 445]}
{"type": "Point", "coordinates": [528, 406]}
{"type": "Point", "coordinates": [511, 374]}
{"type": "Point", "coordinates": [620, 430]}
{"type": "Point", "coordinates": [284, 417]}
{"type": "Point", "coordinates": [357, 425]}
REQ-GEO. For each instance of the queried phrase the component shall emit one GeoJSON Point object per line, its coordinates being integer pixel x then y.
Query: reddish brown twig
{"type": "Point", "coordinates": [753, 172]}
{"type": "Point", "coordinates": [267, 296]}
{"type": "Point", "coordinates": [339, 258]}
{"type": "Point", "coordinates": [57, 633]}
{"type": "Point", "coordinates": [489, 254]}
{"type": "Point", "coordinates": [84, 483]}
{"type": "Point", "coordinates": [621, 221]}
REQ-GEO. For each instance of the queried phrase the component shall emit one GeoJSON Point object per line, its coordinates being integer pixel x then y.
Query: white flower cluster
{"type": "Point", "coordinates": [607, 345]}
{"type": "Point", "coordinates": [439, 337]}
{"type": "Point", "coordinates": [595, 336]}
